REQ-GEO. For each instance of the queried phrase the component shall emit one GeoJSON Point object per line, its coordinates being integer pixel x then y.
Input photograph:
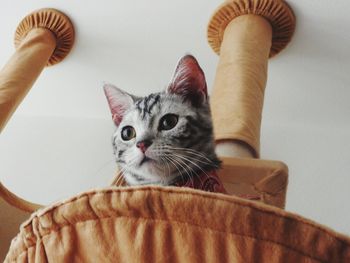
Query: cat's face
{"type": "Point", "coordinates": [164, 135]}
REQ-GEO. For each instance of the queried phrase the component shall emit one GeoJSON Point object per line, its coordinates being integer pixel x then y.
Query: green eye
{"type": "Point", "coordinates": [168, 121]}
{"type": "Point", "coordinates": [128, 133]}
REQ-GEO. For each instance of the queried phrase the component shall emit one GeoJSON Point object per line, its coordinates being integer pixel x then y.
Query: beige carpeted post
{"type": "Point", "coordinates": [245, 33]}
{"type": "Point", "coordinates": [240, 82]}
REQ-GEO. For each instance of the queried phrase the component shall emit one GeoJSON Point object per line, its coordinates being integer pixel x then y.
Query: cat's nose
{"type": "Point", "coordinates": [143, 145]}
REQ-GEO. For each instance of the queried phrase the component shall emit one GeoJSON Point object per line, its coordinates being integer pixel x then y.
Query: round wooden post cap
{"type": "Point", "coordinates": [55, 21]}
{"type": "Point", "coordinates": [277, 12]}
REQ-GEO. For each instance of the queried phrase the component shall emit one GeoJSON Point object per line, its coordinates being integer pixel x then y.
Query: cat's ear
{"type": "Point", "coordinates": [119, 102]}
{"type": "Point", "coordinates": [189, 81]}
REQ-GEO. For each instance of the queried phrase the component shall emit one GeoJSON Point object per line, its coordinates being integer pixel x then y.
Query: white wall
{"type": "Point", "coordinates": [319, 169]}
{"type": "Point", "coordinates": [44, 159]}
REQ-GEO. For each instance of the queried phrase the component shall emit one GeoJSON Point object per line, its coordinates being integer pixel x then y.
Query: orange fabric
{"type": "Point", "coordinates": [154, 224]}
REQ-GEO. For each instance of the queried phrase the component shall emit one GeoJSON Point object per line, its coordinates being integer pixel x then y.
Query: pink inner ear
{"type": "Point", "coordinates": [119, 102]}
{"type": "Point", "coordinates": [117, 116]}
{"type": "Point", "coordinates": [189, 81]}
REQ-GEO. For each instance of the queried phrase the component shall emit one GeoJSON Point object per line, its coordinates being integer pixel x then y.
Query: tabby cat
{"type": "Point", "coordinates": [165, 138]}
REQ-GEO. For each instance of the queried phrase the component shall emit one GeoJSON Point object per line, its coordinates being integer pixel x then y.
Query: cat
{"type": "Point", "coordinates": [166, 138]}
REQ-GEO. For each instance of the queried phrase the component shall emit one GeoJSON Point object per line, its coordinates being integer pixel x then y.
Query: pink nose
{"type": "Point", "coordinates": [143, 145]}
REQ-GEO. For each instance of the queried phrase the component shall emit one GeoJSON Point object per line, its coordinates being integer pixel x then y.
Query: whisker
{"type": "Point", "coordinates": [163, 176]}
{"type": "Point", "coordinates": [181, 163]}
{"type": "Point", "coordinates": [119, 180]}
{"type": "Point", "coordinates": [186, 159]}
{"type": "Point", "coordinates": [172, 161]}
{"type": "Point", "coordinates": [126, 166]}
{"type": "Point", "coordinates": [184, 167]}
{"type": "Point", "coordinates": [190, 169]}
{"type": "Point", "coordinates": [193, 152]}
{"type": "Point", "coordinates": [167, 166]}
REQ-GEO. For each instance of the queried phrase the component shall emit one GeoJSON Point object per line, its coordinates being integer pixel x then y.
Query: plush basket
{"type": "Point", "coordinates": [155, 224]}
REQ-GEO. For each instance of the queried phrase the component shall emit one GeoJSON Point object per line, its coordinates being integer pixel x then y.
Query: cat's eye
{"type": "Point", "coordinates": [168, 121]}
{"type": "Point", "coordinates": [128, 133]}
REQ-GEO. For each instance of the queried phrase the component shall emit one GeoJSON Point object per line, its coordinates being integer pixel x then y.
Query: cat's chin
{"type": "Point", "coordinates": [147, 179]}
{"type": "Point", "coordinates": [147, 161]}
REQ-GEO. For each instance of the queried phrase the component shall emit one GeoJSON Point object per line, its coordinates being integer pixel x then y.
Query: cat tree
{"type": "Point", "coordinates": [157, 224]}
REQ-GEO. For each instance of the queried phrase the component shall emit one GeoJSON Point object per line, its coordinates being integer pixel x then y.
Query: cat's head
{"type": "Point", "coordinates": [164, 135]}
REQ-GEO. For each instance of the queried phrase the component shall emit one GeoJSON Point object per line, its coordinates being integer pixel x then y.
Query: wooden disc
{"type": "Point", "coordinates": [277, 12]}
{"type": "Point", "coordinates": [55, 21]}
